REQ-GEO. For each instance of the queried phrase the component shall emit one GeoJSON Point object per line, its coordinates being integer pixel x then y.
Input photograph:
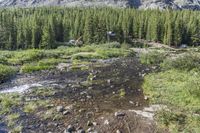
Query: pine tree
{"type": "Point", "coordinates": [48, 40]}
{"type": "Point", "coordinates": [88, 30]}
{"type": "Point", "coordinates": [168, 30]}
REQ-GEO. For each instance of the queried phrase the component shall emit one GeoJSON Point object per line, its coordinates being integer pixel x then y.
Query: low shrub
{"type": "Point", "coordinates": [22, 57]}
{"type": "Point", "coordinates": [187, 61]}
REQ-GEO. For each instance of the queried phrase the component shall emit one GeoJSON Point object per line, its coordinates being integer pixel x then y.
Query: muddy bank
{"type": "Point", "coordinates": [96, 99]}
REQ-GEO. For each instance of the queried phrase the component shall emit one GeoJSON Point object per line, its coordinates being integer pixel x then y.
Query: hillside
{"type": "Point", "coordinates": [141, 4]}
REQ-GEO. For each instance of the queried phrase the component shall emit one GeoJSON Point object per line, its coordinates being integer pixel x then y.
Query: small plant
{"type": "Point", "coordinates": [122, 93]}
{"type": "Point", "coordinates": [11, 119]}
{"type": "Point", "coordinates": [7, 102]}
{"type": "Point", "coordinates": [32, 106]}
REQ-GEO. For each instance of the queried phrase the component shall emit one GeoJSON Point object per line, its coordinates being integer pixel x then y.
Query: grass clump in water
{"type": "Point", "coordinates": [8, 102]}
{"type": "Point", "coordinates": [6, 72]}
{"type": "Point", "coordinates": [32, 106]}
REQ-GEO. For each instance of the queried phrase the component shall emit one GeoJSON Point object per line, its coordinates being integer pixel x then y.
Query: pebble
{"type": "Point", "coordinates": [146, 97]}
{"type": "Point", "coordinates": [89, 88]}
{"type": "Point", "coordinates": [119, 114]}
{"type": "Point", "coordinates": [81, 110]}
{"type": "Point", "coordinates": [66, 112]}
{"type": "Point", "coordinates": [89, 97]}
{"type": "Point", "coordinates": [70, 129]}
{"type": "Point", "coordinates": [90, 129]}
{"type": "Point", "coordinates": [131, 102]}
{"type": "Point", "coordinates": [60, 108]}
{"type": "Point", "coordinates": [89, 123]}
{"type": "Point", "coordinates": [118, 131]}
{"type": "Point", "coordinates": [70, 107]}
{"type": "Point", "coordinates": [95, 123]}
{"type": "Point", "coordinates": [108, 81]}
{"type": "Point", "coordinates": [106, 122]}
{"type": "Point", "coordinates": [50, 106]}
{"type": "Point", "coordinates": [112, 86]}
{"type": "Point", "coordinates": [81, 131]}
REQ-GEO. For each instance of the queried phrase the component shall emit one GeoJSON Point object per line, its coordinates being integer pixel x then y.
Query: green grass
{"type": "Point", "coordinates": [86, 55]}
{"type": "Point", "coordinates": [28, 68]}
{"type": "Point", "coordinates": [186, 61]}
{"type": "Point", "coordinates": [36, 60]}
{"type": "Point", "coordinates": [180, 91]}
{"type": "Point", "coordinates": [32, 106]}
{"type": "Point", "coordinates": [8, 102]}
{"type": "Point", "coordinates": [152, 57]}
{"type": "Point", "coordinates": [6, 72]}
{"type": "Point", "coordinates": [11, 119]}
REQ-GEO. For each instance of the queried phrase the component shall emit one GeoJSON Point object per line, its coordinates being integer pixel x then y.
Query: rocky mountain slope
{"type": "Point", "coordinates": [141, 4]}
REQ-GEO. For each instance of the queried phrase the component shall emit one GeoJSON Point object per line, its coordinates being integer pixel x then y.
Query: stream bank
{"type": "Point", "coordinates": [101, 96]}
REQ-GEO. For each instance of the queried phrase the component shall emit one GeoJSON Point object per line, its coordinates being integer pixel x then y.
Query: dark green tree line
{"type": "Point", "coordinates": [48, 27]}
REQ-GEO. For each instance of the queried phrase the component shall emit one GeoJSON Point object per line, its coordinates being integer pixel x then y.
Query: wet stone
{"type": "Point", "coordinates": [118, 131]}
{"type": "Point", "coordinates": [50, 106]}
{"type": "Point", "coordinates": [81, 110]}
{"type": "Point", "coordinates": [146, 97]}
{"type": "Point", "coordinates": [89, 97]}
{"type": "Point", "coordinates": [70, 107]}
{"type": "Point", "coordinates": [81, 131]}
{"type": "Point", "coordinates": [89, 88]}
{"type": "Point", "coordinates": [108, 81]}
{"type": "Point", "coordinates": [90, 130]}
{"type": "Point", "coordinates": [66, 112]}
{"type": "Point", "coordinates": [106, 122]}
{"type": "Point", "coordinates": [70, 129]}
{"type": "Point", "coordinates": [60, 108]}
{"type": "Point", "coordinates": [94, 123]}
{"type": "Point", "coordinates": [119, 114]}
{"type": "Point", "coordinates": [89, 123]}
{"type": "Point", "coordinates": [131, 102]}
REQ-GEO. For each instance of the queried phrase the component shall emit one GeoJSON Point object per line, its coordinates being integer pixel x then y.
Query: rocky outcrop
{"type": "Point", "coordinates": [141, 4]}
